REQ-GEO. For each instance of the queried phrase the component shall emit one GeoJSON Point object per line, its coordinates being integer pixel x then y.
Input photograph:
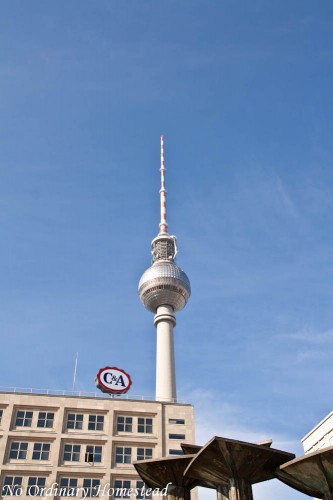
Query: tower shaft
{"type": "Point", "coordinates": [165, 321]}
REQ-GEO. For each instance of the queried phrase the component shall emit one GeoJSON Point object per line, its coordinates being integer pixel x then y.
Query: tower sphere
{"type": "Point", "coordinates": [164, 283]}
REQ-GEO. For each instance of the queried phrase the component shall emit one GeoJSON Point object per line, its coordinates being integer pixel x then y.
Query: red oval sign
{"type": "Point", "coordinates": [113, 380]}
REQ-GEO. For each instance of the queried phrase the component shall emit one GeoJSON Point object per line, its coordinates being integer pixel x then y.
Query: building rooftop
{"type": "Point", "coordinates": [79, 394]}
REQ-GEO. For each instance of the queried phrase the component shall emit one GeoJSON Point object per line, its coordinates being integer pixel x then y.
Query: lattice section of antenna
{"type": "Point", "coordinates": [164, 249]}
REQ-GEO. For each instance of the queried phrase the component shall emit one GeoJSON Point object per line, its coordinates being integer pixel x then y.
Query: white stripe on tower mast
{"type": "Point", "coordinates": [164, 289]}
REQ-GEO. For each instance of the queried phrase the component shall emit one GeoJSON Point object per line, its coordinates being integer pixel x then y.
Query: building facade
{"type": "Point", "coordinates": [60, 446]}
{"type": "Point", "coordinates": [321, 436]}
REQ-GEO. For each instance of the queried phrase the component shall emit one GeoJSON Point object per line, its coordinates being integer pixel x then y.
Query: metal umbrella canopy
{"type": "Point", "coordinates": [166, 472]}
{"type": "Point", "coordinates": [158, 473]}
{"type": "Point", "coordinates": [190, 449]}
{"type": "Point", "coordinates": [233, 466]}
{"type": "Point", "coordinates": [311, 474]}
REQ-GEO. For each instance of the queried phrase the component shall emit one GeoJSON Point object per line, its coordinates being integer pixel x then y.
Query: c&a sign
{"type": "Point", "coordinates": [113, 380]}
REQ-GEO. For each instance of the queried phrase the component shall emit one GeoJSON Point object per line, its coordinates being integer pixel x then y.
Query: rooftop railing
{"type": "Point", "coordinates": [80, 394]}
{"type": "Point", "coordinates": [58, 392]}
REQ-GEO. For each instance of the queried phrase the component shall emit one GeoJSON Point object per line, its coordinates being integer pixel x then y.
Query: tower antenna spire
{"type": "Point", "coordinates": [163, 223]}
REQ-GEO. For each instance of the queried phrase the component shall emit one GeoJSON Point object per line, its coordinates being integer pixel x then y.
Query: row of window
{"type": "Point", "coordinates": [73, 487]}
{"type": "Point", "coordinates": [144, 424]}
{"type": "Point", "coordinates": [73, 452]}
{"type": "Point", "coordinates": [24, 418]}
{"type": "Point", "coordinates": [12, 486]}
{"type": "Point", "coordinates": [177, 421]}
{"type": "Point", "coordinates": [19, 450]}
{"type": "Point", "coordinates": [45, 420]}
{"type": "Point", "coordinates": [75, 421]}
{"type": "Point", "coordinates": [123, 487]}
{"type": "Point", "coordinates": [124, 454]}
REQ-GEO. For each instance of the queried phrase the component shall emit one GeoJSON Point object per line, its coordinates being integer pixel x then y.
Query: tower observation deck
{"type": "Point", "coordinates": [164, 289]}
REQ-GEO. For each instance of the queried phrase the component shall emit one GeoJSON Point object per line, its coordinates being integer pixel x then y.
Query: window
{"type": "Point", "coordinates": [178, 421]}
{"type": "Point", "coordinates": [122, 488]}
{"type": "Point", "coordinates": [124, 424]}
{"type": "Point", "coordinates": [41, 451]}
{"type": "Point", "coordinates": [12, 485]}
{"type": "Point", "coordinates": [91, 487]}
{"type": "Point", "coordinates": [1, 414]}
{"type": "Point", "coordinates": [93, 453]}
{"type": "Point", "coordinates": [176, 452]}
{"type": "Point", "coordinates": [144, 453]}
{"type": "Point", "coordinates": [145, 425]}
{"type": "Point", "coordinates": [68, 487]}
{"type": "Point", "coordinates": [176, 436]}
{"type": "Point", "coordinates": [74, 421]}
{"type": "Point", "coordinates": [96, 422]}
{"type": "Point", "coordinates": [36, 486]}
{"type": "Point", "coordinates": [18, 450]}
{"type": "Point", "coordinates": [123, 455]}
{"type": "Point", "coordinates": [23, 418]}
{"type": "Point", "coordinates": [142, 491]}
{"type": "Point", "coordinates": [45, 419]}
{"type": "Point", "coordinates": [72, 453]}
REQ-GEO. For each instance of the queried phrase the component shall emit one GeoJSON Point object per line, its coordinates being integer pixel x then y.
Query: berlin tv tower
{"type": "Point", "coordinates": [164, 289]}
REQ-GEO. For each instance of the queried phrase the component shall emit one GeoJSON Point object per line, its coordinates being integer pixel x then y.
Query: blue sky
{"type": "Point", "coordinates": [242, 92]}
